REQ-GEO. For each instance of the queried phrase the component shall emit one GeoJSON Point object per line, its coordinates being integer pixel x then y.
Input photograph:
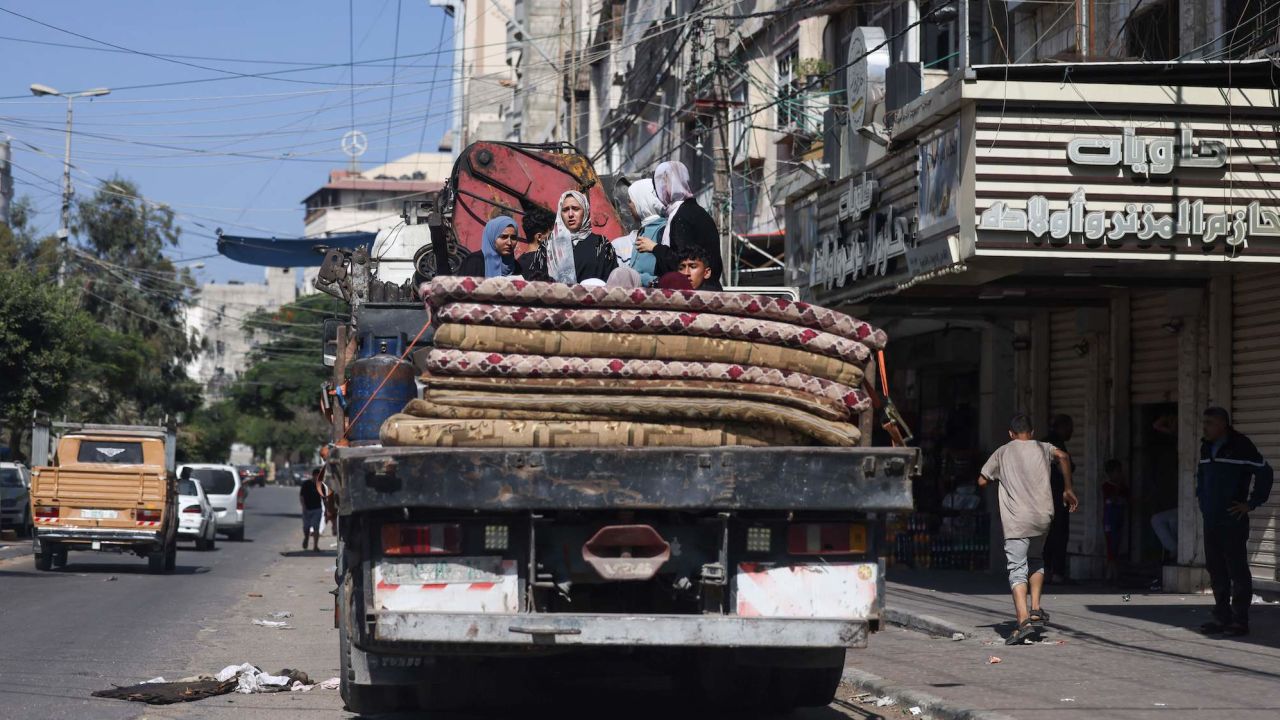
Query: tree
{"type": "Point", "coordinates": [274, 402]}
{"type": "Point", "coordinates": [41, 346]}
{"type": "Point", "coordinates": [139, 299]}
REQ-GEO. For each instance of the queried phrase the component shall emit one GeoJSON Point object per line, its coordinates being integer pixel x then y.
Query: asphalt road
{"type": "Point", "coordinates": [104, 621]}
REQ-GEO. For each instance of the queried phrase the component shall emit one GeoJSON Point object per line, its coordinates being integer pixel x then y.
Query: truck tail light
{"type": "Point", "coordinates": [496, 537]}
{"type": "Point", "coordinates": [759, 539]}
{"type": "Point", "coordinates": [147, 515]}
{"type": "Point", "coordinates": [434, 539]}
{"type": "Point", "coordinates": [48, 512]}
{"type": "Point", "coordinates": [194, 509]}
{"type": "Point", "coordinates": [827, 539]}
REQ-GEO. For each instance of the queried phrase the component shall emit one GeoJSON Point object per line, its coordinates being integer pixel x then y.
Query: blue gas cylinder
{"type": "Point", "coordinates": [374, 364]}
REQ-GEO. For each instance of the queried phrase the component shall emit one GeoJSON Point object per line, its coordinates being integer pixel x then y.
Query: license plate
{"type": "Point", "coordinates": [100, 514]}
{"type": "Point", "coordinates": [452, 570]}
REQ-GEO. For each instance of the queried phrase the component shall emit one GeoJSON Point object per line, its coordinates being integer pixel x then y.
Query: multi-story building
{"type": "Point", "coordinates": [218, 320]}
{"type": "Point", "coordinates": [1060, 209]}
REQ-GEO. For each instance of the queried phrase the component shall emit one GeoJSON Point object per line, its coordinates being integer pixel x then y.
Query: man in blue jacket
{"type": "Point", "coordinates": [1229, 464]}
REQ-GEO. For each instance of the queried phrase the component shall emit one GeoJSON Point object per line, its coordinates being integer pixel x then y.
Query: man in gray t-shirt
{"type": "Point", "coordinates": [1022, 469]}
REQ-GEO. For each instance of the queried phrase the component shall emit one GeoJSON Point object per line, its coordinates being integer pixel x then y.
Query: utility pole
{"type": "Point", "coordinates": [722, 187]}
{"type": "Point", "coordinates": [64, 232]}
{"type": "Point", "coordinates": [6, 181]}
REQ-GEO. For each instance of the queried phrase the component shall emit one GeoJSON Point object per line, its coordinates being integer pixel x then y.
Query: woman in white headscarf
{"type": "Point", "coordinates": [575, 253]}
{"type": "Point", "coordinates": [687, 223]}
{"type": "Point", "coordinates": [635, 249]}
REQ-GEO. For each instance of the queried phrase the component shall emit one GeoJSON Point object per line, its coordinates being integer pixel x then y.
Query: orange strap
{"type": "Point", "coordinates": [884, 374]}
{"type": "Point", "coordinates": [408, 349]}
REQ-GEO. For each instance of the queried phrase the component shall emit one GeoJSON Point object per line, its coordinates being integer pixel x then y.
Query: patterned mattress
{"type": "Point", "coordinates": [458, 405]}
{"type": "Point", "coordinates": [669, 322]}
{"type": "Point", "coordinates": [528, 364]}
{"type": "Point", "coordinates": [644, 347]}
{"type": "Point", "coordinates": [409, 430]}
{"type": "Point", "coordinates": [504, 290]}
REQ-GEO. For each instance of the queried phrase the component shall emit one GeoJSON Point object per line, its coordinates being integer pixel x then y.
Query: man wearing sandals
{"type": "Point", "coordinates": [1229, 461]}
{"type": "Point", "coordinates": [1022, 468]}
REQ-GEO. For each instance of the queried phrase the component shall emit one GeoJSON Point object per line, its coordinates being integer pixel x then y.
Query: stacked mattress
{"type": "Point", "coordinates": [529, 364]}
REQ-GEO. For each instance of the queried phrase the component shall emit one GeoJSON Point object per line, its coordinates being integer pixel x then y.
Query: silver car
{"type": "Point", "coordinates": [15, 498]}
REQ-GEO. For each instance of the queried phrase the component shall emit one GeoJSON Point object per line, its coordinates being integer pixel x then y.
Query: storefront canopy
{"type": "Point", "coordinates": [289, 252]}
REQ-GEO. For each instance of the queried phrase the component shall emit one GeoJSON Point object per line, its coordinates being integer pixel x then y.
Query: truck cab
{"type": "Point", "coordinates": [108, 489]}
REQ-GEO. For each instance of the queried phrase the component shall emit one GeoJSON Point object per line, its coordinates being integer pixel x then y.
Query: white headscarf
{"type": "Point", "coordinates": [560, 250]}
{"type": "Point", "coordinates": [645, 197]}
{"type": "Point", "coordinates": [671, 183]}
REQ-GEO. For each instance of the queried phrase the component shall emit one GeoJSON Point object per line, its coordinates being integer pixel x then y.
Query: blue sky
{"type": "Point", "coordinates": [237, 153]}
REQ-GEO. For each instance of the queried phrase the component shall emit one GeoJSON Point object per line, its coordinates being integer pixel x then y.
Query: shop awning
{"type": "Point", "coordinates": [288, 252]}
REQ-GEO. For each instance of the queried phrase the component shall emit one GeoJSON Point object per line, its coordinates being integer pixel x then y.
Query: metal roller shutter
{"type": "Point", "coordinates": [1255, 397]}
{"type": "Point", "coordinates": [1153, 349]}
{"type": "Point", "coordinates": [1068, 382]}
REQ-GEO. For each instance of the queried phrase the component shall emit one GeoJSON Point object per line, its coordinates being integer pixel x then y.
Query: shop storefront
{"type": "Point", "coordinates": [1100, 241]}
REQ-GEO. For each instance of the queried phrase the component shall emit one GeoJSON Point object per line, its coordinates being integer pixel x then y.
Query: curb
{"type": "Point", "coordinates": [927, 624]}
{"type": "Point", "coordinates": [930, 706]}
{"type": "Point", "coordinates": [10, 549]}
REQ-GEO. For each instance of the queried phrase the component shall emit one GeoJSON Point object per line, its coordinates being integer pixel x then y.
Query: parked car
{"type": "Point", "coordinates": [196, 519]}
{"type": "Point", "coordinates": [252, 475]}
{"type": "Point", "coordinates": [226, 491]}
{"type": "Point", "coordinates": [298, 474]}
{"type": "Point", "coordinates": [15, 498]}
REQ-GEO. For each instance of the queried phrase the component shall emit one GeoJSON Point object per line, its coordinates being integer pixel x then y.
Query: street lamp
{"type": "Point", "coordinates": [64, 232]}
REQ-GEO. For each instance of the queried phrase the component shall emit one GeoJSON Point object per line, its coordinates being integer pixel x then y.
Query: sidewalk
{"type": "Point", "coordinates": [1104, 657]}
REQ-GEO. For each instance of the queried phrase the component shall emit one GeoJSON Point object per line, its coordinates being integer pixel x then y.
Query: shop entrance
{"type": "Point", "coordinates": [1154, 491]}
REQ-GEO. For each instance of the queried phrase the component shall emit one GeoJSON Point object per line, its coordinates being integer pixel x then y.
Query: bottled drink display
{"type": "Point", "coordinates": [924, 541]}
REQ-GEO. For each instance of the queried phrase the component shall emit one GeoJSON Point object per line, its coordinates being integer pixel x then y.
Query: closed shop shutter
{"type": "Point", "coordinates": [1153, 349]}
{"type": "Point", "coordinates": [1255, 397]}
{"type": "Point", "coordinates": [1068, 381]}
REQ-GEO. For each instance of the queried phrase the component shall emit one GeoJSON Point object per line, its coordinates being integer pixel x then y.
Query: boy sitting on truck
{"type": "Point", "coordinates": [1022, 469]}
{"type": "Point", "coordinates": [695, 264]}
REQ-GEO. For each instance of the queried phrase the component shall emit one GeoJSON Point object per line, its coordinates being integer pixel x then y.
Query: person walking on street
{"type": "Point", "coordinates": [1061, 428]}
{"type": "Point", "coordinates": [1021, 470]}
{"type": "Point", "coordinates": [312, 510]}
{"type": "Point", "coordinates": [1229, 464]}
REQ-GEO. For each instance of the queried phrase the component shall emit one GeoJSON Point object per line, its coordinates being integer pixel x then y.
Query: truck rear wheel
{"type": "Point", "coordinates": [805, 687]}
{"type": "Point", "coordinates": [59, 556]}
{"type": "Point", "coordinates": [157, 560]}
{"type": "Point", "coordinates": [363, 699]}
{"type": "Point", "coordinates": [44, 561]}
{"type": "Point", "coordinates": [171, 557]}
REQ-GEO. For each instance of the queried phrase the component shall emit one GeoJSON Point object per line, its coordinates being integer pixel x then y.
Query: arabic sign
{"type": "Point", "coordinates": [858, 199]}
{"type": "Point", "coordinates": [1140, 223]}
{"type": "Point", "coordinates": [863, 252]}
{"type": "Point", "coordinates": [1175, 191]}
{"type": "Point", "coordinates": [1148, 156]}
{"type": "Point", "coordinates": [939, 180]}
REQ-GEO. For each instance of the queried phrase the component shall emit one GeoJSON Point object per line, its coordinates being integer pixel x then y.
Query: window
{"type": "Point", "coordinates": [1153, 32]}
{"type": "Point", "coordinates": [10, 478]}
{"type": "Point", "coordinates": [216, 481]}
{"type": "Point", "coordinates": [187, 487]}
{"type": "Point", "coordinates": [1253, 29]}
{"type": "Point", "coordinates": [790, 107]}
{"type": "Point", "coordinates": [115, 453]}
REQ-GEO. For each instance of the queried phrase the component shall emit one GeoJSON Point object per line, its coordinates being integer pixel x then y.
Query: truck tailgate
{"type": "Point", "coordinates": [98, 498]}
{"type": "Point", "coordinates": [728, 478]}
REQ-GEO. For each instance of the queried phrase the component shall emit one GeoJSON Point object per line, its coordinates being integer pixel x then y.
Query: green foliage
{"type": "Point", "coordinates": [139, 300]}
{"type": "Point", "coordinates": [41, 345]}
{"type": "Point", "coordinates": [275, 402]}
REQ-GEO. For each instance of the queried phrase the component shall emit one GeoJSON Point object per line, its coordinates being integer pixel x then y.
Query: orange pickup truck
{"type": "Point", "coordinates": [109, 488]}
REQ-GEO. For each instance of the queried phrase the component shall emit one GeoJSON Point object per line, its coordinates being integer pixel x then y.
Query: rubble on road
{"type": "Point", "coordinates": [245, 679]}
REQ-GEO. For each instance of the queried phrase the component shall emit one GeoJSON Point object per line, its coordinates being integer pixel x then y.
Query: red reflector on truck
{"type": "Point", "coordinates": [435, 539]}
{"type": "Point", "coordinates": [147, 515]}
{"type": "Point", "coordinates": [46, 511]}
{"type": "Point", "coordinates": [826, 539]}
